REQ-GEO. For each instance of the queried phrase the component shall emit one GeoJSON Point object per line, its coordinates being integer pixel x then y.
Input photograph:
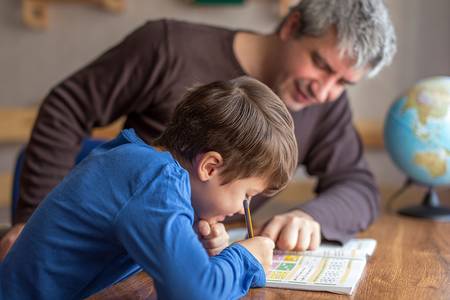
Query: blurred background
{"type": "Point", "coordinates": [33, 59]}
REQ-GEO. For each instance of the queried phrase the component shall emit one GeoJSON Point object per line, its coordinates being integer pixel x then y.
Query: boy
{"type": "Point", "coordinates": [131, 205]}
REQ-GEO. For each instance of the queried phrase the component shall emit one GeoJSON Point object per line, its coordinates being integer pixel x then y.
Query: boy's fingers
{"type": "Point", "coordinates": [215, 242]}
{"type": "Point", "coordinates": [215, 230]}
{"type": "Point", "coordinates": [203, 228]}
{"type": "Point", "coordinates": [213, 236]}
{"type": "Point", "coordinates": [269, 242]}
{"type": "Point", "coordinates": [218, 229]}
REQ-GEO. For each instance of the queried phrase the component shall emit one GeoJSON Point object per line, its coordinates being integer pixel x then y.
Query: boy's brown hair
{"type": "Point", "coordinates": [244, 121]}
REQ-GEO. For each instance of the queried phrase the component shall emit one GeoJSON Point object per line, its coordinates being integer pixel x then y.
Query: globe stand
{"type": "Point", "coordinates": [429, 209]}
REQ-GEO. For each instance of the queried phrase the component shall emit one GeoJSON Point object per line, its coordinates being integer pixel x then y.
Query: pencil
{"type": "Point", "coordinates": [248, 219]}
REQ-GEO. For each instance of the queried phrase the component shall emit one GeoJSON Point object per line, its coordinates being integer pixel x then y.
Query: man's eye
{"type": "Point", "coordinates": [317, 61]}
{"type": "Point", "coordinates": [320, 64]}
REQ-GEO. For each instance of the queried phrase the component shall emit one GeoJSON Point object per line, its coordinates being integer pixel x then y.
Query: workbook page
{"type": "Point", "coordinates": [298, 271]}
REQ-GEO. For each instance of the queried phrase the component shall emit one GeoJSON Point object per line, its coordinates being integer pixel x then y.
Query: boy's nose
{"type": "Point", "coordinates": [242, 211]}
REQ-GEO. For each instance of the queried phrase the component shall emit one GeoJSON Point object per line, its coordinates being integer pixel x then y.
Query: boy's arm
{"type": "Point", "coordinates": [115, 84]}
{"type": "Point", "coordinates": [156, 230]}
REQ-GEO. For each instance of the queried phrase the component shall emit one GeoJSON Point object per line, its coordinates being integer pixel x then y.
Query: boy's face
{"type": "Point", "coordinates": [212, 200]}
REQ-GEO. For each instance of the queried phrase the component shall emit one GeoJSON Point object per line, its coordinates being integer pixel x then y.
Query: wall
{"type": "Point", "coordinates": [33, 61]}
{"type": "Point", "coordinates": [423, 33]}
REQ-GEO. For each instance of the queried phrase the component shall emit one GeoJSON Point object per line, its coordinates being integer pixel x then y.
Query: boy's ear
{"type": "Point", "coordinates": [289, 27]}
{"type": "Point", "coordinates": [208, 165]}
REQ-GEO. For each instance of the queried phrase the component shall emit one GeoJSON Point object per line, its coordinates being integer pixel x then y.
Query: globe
{"type": "Point", "coordinates": [417, 132]}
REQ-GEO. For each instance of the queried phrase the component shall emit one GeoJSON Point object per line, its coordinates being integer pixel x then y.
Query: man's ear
{"type": "Point", "coordinates": [208, 165]}
{"type": "Point", "coordinates": [290, 26]}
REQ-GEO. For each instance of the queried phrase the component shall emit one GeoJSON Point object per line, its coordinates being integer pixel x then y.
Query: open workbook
{"type": "Point", "coordinates": [330, 268]}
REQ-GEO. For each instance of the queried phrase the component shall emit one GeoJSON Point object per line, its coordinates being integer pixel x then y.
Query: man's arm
{"type": "Point", "coordinates": [114, 85]}
{"type": "Point", "coordinates": [347, 198]}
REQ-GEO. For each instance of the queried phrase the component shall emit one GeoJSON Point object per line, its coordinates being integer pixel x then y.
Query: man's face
{"type": "Point", "coordinates": [310, 70]}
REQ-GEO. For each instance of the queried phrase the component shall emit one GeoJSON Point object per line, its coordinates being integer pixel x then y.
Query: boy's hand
{"type": "Point", "coordinates": [262, 249]}
{"type": "Point", "coordinates": [9, 239]}
{"type": "Point", "coordinates": [214, 237]}
{"type": "Point", "coordinates": [295, 230]}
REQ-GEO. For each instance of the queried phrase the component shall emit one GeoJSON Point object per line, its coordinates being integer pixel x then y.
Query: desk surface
{"type": "Point", "coordinates": [412, 261]}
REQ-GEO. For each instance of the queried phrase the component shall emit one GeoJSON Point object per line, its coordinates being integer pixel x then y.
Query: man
{"type": "Point", "coordinates": [321, 47]}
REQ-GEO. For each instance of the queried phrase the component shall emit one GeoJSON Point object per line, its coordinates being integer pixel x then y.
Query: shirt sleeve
{"type": "Point", "coordinates": [115, 84]}
{"type": "Point", "coordinates": [347, 197]}
{"type": "Point", "coordinates": [156, 230]}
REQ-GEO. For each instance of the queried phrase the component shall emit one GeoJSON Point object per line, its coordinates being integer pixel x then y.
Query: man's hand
{"type": "Point", "coordinates": [9, 239]}
{"type": "Point", "coordinates": [295, 230]}
{"type": "Point", "coordinates": [214, 237]}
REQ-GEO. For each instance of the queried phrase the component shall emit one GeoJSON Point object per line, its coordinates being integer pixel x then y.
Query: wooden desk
{"type": "Point", "coordinates": [412, 261]}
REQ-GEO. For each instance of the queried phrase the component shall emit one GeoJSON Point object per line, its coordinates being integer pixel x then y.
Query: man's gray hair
{"type": "Point", "coordinates": [364, 29]}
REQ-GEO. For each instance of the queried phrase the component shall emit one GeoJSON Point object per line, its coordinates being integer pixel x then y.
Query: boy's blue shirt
{"type": "Point", "coordinates": [124, 207]}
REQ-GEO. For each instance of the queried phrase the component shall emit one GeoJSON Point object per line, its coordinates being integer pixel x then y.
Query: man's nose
{"type": "Point", "coordinates": [323, 88]}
